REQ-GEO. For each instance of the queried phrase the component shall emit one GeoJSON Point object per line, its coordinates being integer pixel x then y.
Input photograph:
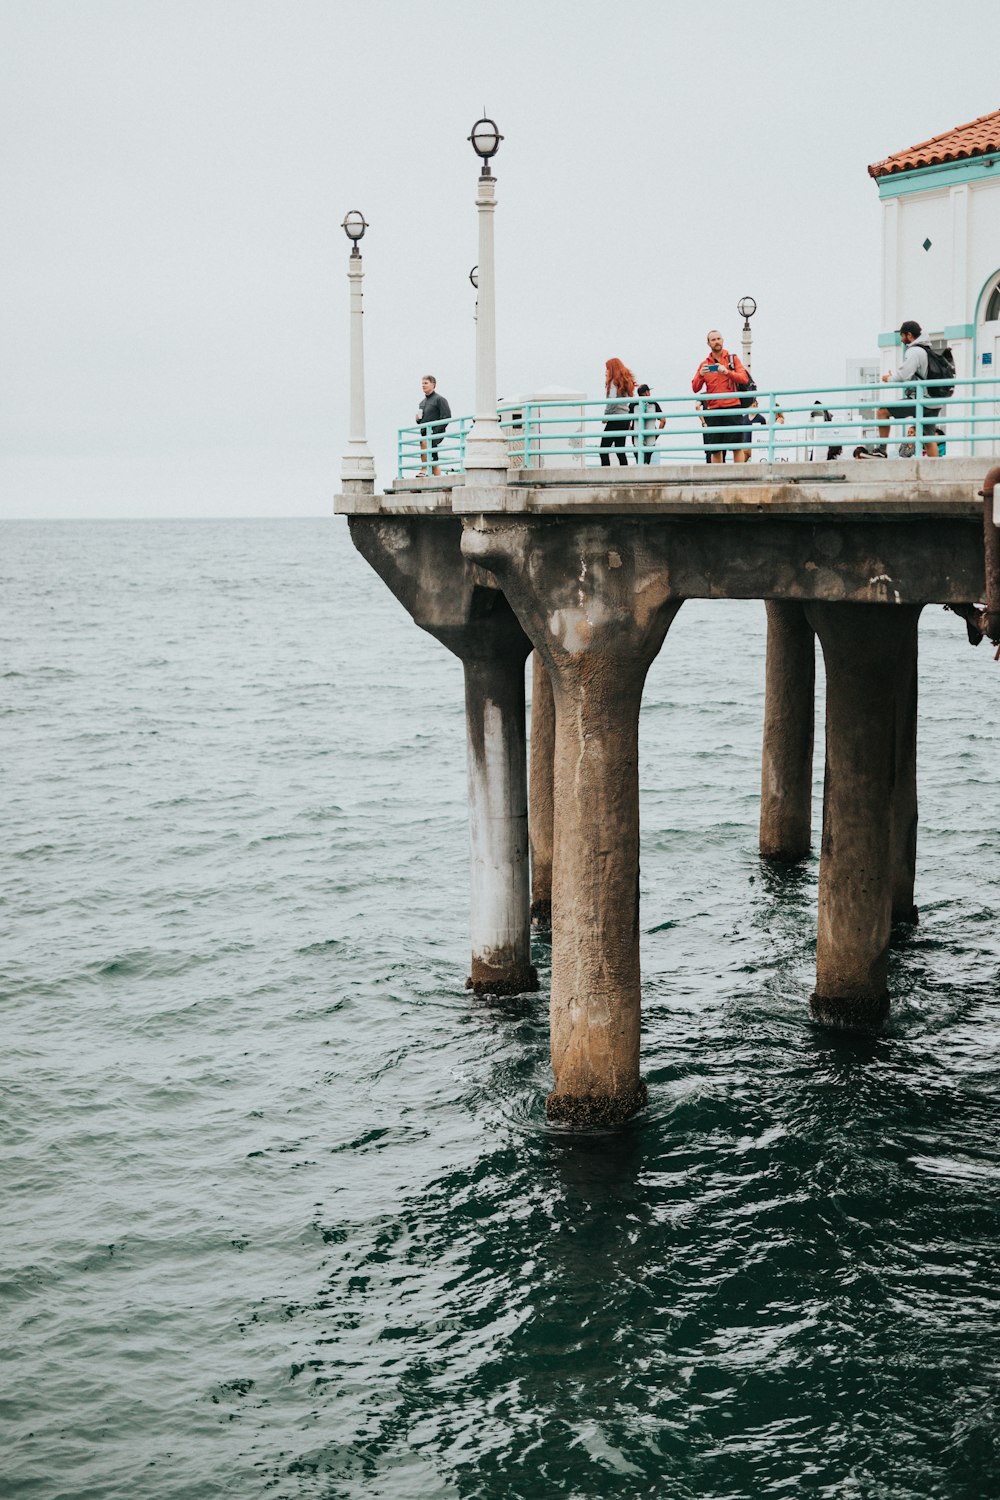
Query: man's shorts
{"type": "Point", "coordinates": [907, 409]}
{"type": "Point", "coordinates": [729, 416]}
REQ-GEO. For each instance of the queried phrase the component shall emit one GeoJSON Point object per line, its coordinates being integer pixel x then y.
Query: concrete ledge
{"type": "Point", "coordinates": [859, 488]}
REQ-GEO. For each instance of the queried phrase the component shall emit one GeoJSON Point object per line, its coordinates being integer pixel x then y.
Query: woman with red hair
{"type": "Point", "coordinates": [619, 384]}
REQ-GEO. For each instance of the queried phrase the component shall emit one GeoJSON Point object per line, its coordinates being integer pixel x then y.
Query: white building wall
{"type": "Point", "coordinates": [941, 286]}
{"type": "Point", "coordinates": [924, 277]}
{"type": "Point", "coordinates": [984, 238]}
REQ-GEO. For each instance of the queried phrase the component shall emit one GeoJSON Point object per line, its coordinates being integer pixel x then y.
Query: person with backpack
{"type": "Point", "coordinates": [920, 362]}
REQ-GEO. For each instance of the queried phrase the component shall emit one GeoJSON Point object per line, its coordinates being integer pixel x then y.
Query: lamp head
{"type": "Point", "coordinates": [746, 307]}
{"type": "Point", "coordinates": [354, 227]}
{"type": "Point", "coordinates": [485, 140]}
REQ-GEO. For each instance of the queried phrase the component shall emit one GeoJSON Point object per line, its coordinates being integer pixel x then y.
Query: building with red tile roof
{"type": "Point", "coordinates": [941, 243]}
{"type": "Point", "coordinates": [980, 137]}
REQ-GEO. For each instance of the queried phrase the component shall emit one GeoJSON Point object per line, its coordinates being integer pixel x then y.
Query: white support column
{"type": "Point", "coordinates": [358, 464]}
{"type": "Point", "coordinates": [960, 312]}
{"type": "Point", "coordinates": [747, 341]}
{"type": "Point", "coordinates": [485, 447]}
{"type": "Point", "coordinates": [891, 315]}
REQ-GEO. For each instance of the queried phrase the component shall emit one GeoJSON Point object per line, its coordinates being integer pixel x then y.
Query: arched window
{"type": "Point", "coordinates": [993, 306]}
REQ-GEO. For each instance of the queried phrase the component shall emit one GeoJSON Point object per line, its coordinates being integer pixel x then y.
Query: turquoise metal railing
{"type": "Point", "coordinates": [438, 445]}
{"type": "Point", "coordinates": [781, 425]}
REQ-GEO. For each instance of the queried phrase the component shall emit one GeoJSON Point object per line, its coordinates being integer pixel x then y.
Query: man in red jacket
{"type": "Point", "coordinates": [721, 374]}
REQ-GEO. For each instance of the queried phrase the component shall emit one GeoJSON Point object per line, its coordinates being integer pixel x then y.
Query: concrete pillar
{"type": "Point", "coordinates": [420, 560]}
{"type": "Point", "coordinates": [540, 802]}
{"type": "Point", "coordinates": [593, 596]}
{"type": "Point", "coordinates": [789, 717]}
{"type": "Point", "coordinates": [863, 648]}
{"type": "Point", "coordinates": [498, 820]}
{"type": "Point", "coordinates": [904, 792]}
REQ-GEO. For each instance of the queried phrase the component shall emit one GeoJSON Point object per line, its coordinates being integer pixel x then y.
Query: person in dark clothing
{"type": "Point", "coordinates": [645, 441]}
{"type": "Point", "coordinates": [433, 415]}
{"type": "Point", "coordinates": [815, 452]}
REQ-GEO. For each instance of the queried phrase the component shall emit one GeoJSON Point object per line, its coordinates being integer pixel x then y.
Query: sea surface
{"type": "Point", "coordinates": [280, 1211]}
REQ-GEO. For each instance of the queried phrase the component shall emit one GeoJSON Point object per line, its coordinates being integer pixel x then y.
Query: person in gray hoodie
{"type": "Point", "coordinates": [433, 414]}
{"type": "Point", "coordinates": [914, 367]}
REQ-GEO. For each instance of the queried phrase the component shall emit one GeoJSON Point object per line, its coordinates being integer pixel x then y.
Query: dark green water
{"type": "Point", "coordinates": [282, 1215]}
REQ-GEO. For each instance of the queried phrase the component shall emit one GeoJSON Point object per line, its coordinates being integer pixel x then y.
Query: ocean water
{"type": "Point", "coordinates": [281, 1212]}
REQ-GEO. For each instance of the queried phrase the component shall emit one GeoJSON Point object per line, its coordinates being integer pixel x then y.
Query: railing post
{"type": "Point", "coordinates": [918, 437]}
{"type": "Point", "coordinates": [770, 427]}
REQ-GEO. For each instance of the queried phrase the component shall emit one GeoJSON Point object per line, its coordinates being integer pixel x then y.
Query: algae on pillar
{"type": "Point", "coordinates": [593, 596]}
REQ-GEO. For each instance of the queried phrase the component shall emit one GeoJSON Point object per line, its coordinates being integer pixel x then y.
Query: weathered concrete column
{"type": "Point", "coordinates": [789, 717]}
{"type": "Point", "coordinates": [863, 648]}
{"type": "Point", "coordinates": [540, 801]}
{"type": "Point", "coordinates": [904, 792]}
{"type": "Point", "coordinates": [420, 560]}
{"type": "Point", "coordinates": [498, 818]}
{"type": "Point", "coordinates": [593, 596]}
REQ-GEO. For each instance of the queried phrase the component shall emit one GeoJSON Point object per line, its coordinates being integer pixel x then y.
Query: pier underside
{"type": "Point", "coordinates": [590, 572]}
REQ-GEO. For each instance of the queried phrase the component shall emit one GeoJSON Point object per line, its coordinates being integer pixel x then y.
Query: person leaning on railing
{"type": "Point", "coordinates": [433, 415]}
{"type": "Point", "coordinates": [619, 383]}
{"type": "Point", "coordinates": [722, 374]}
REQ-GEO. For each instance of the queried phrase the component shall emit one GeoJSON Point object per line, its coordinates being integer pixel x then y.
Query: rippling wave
{"type": "Point", "coordinates": [283, 1214]}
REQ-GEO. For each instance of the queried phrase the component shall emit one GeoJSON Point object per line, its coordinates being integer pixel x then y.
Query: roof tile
{"type": "Point", "coordinates": [978, 138]}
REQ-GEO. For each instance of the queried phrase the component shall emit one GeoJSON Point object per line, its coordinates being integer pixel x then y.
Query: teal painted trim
{"type": "Point", "coordinates": [960, 331]}
{"type": "Point", "coordinates": [946, 174]}
{"type": "Point", "coordinates": [987, 284]}
{"type": "Point", "coordinates": [888, 340]}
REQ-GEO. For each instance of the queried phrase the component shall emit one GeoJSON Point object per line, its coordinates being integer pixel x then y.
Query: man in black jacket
{"type": "Point", "coordinates": [433, 414]}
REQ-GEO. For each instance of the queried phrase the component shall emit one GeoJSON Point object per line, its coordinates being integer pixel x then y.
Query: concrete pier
{"type": "Point", "coordinates": [540, 800]}
{"type": "Point", "coordinates": [590, 567]}
{"type": "Point", "coordinates": [593, 597]}
{"type": "Point", "coordinates": [865, 649]}
{"type": "Point", "coordinates": [789, 717]}
{"type": "Point", "coordinates": [421, 561]}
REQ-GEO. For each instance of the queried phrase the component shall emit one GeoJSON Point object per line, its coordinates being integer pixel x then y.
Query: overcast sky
{"type": "Point", "coordinates": [174, 173]}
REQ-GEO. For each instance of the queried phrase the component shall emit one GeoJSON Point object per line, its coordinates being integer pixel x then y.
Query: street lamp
{"type": "Point", "coordinates": [746, 307]}
{"type": "Point", "coordinates": [354, 227]}
{"type": "Point", "coordinates": [485, 138]}
{"type": "Point", "coordinates": [358, 466]}
{"type": "Point", "coordinates": [485, 449]}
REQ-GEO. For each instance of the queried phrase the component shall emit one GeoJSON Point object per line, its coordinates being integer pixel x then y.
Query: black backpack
{"type": "Point", "coordinates": [941, 366]}
{"type": "Point", "coordinates": [751, 384]}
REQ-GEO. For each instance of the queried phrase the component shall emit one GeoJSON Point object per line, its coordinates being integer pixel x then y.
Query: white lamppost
{"type": "Point", "coordinates": [746, 307]}
{"type": "Point", "coordinates": [358, 463]}
{"type": "Point", "coordinates": [485, 447]}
